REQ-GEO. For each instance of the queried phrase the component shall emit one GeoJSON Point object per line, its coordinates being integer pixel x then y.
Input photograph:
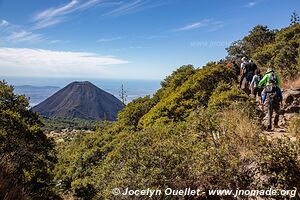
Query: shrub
{"type": "Point", "coordinates": [193, 93]}
{"type": "Point", "coordinates": [27, 156]}
{"type": "Point", "coordinates": [294, 125]}
{"type": "Point", "coordinates": [129, 117]}
{"type": "Point", "coordinates": [278, 164]}
{"type": "Point", "coordinates": [225, 95]}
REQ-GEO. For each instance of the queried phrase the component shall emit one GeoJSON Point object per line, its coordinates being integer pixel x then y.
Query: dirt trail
{"type": "Point", "coordinates": [279, 133]}
{"type": "Point", "coordinates": [290, 109]}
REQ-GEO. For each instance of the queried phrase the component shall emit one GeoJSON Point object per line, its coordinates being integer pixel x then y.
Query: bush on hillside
{"type": "Point", "coordinates": [27, 156]}
{"type": "Point", "coordinates": [129, 117]}
{"type": "Point", "coordinates": [294, 125]}
{"type": "Point", "coordinates": [194, 92]}
{"type": "Point", "coordinates": [278, 165]}
{"type": "Point", "coordinates": [225, 95]}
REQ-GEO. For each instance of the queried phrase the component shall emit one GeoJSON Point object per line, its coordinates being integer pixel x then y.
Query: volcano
{"type": "Point", "coordinates": [81, 100]}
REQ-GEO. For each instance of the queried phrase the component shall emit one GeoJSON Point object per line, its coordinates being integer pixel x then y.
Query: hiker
{"type": "Point", "coordinates": [222, 62]}
{"type": "Point", "coordinates": [260, 89]}
{"type": "Point", "coordinates": [254, 83]}
{"type": "Point", "coordinates": [250, 68]}
{"type": "Point", "coordinates": [243, 70]}
{"type": "Point", "coordinates": [271, 96]}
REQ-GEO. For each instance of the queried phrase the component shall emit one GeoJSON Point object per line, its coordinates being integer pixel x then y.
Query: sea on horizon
{"type": "Point", "coordinates": [39, 89]}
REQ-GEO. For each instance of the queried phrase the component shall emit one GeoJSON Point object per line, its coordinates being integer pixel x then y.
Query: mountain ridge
{"type": "Point", "coordinates": [81, 100]}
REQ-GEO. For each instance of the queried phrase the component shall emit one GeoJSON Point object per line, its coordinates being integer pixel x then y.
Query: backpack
{"type": "Point", "coordinates": [257, 80]}
{"type": "Point", "coordinates": [272, 91]}
{"type": "Point", "coordinates": [273, 79]}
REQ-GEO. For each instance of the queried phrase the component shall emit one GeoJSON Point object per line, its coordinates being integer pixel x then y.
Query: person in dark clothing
{"type": "Point", "coordinates": [259, 88]}
{"type": "Point", "coordinates": [243, 70]}
{"type": "Point", "coordinates": [250, 67]}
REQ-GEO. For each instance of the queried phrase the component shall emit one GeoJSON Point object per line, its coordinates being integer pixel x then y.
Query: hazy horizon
{"type": "Point", "coordinates": [133, 88]}
{"type": "Point", "coordinates": [61, 81]}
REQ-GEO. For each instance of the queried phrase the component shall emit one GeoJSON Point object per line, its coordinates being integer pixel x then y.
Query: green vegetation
{"type": "Point", "coordinates": [278, 49]}
{"type": "Point", "coordinates": [295, 19]}
{"type": "Point", "coordinates": [194, 92]}
{"type": "Point", "coordinates": [26, 155]}
{"type": "Point", "coordinates": [58, 124]}
{"type": "Point", "coordinates": [278, 160]}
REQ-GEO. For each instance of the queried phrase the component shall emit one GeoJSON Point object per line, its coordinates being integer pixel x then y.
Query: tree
{"type": "Point", "coordinates": [123, 95]}
{"type": "Point", "coordinates": [236, 51]}
{"type": "Point", "coordinates": [174, 81]}
{"type": "Point", "coordinates": [258, 37]}
{"type": "Point", "coordinates": [283, 54]}
{"type": "Point", "coordinates": [26, 154]}
{"type": "Point", "coordinates": [294, 18]}
{"type": "Point", "coordinates": [129, 117]}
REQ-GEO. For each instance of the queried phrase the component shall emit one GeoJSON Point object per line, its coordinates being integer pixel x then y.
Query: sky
{"type": "Point", "coordinates": [125, 39]}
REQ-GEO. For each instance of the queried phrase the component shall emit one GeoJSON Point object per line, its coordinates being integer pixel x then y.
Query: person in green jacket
{"type": "Point", "coordinates": [272, 95]}
{"type": "Point", "coordinates": [269, 77]}
{"type": "Point", "coordinates": [270, 74]}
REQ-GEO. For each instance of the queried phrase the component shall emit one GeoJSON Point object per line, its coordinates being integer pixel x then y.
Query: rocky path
{"type": "Point", "coordinates": [290, 109]}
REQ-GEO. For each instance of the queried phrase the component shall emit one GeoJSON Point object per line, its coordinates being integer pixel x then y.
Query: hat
{"type": "Point", "coordinates": [244, 59]}
{"type": "Point", "coordinates": [269, 70]}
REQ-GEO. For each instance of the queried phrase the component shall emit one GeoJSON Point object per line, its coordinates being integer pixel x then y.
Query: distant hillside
{"type": "Point", "coordinates": [36, 94]}
{"type": "Point", "coordinates": [80, 100]}
{"type": "Point", "coordinates": [31, 87]}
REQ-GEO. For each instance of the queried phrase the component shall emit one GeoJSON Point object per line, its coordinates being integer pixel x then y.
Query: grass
{"type": "Point", "coordinates": [294, 125]}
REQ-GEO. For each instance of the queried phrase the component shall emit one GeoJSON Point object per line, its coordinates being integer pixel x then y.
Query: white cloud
{"type": "Point", "coordinates": [24, 36]}
{"type": "Point", "coordinates": [210, 23]}
{"type": "Point", "coordinates": [251, 4]}
{"type": "Point", "coordinates": [126, 7]}
{"type": "Point", "coordinates": [57, 41]}
{"type": "Point", "coordinates": [110, 39]}
{"type": "Point", "coordinates": [52, 16]}
{"type": "Point", "coordinates": [152, 37]}
{"type": "Point", "coordinates": [138, 47]}
{"type": "Point", "coordinates": [131, 6]}
{"type": "Point", "coordinates": [3, 23]}
{"type": "Point", "coordinates": [59, 14]}
{"type": "Point", "coordinates": [46, 63]}
{"type": "Point", "coordinates": [12, 33]}
{"type": "Point", "coordinates": [48, 22]}
{"type": "Point", "coordinates": [53, 12]}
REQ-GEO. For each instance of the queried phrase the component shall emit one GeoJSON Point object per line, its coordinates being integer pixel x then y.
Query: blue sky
{"type": "Point", "coordinates": [125, 39]}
